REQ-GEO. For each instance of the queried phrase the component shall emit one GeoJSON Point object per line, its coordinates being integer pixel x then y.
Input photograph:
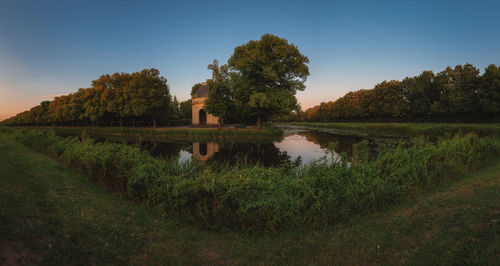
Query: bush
{"type": "Point", "coordinates": [273, 199]}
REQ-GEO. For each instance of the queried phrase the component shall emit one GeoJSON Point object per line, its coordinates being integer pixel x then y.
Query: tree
{"type": "Point", "coordinates": [186, 110]}
{"type": "Point", "coordinates": [390, 99]}
{"type": "Point", "coordinates": [219, 101]}
{"type": "Point", "coordinates": [489, 90]}
{"type": "Point", "coordinates": [92, 105]}
{"type": "Point", "coordinates": [59, 109]}
{"type": "Point", "coordinates": [445, 82]}
{"type": "Point", "coordinates": [175, 112]}
{"type": "Point", "coordinates": [420, 92]}
{"type": "Point", "coordinates": [149, 95]}
{"type": "Point", "coordinates": [76, 106]}
{"type": "Point", "coordinates": [143, 95]}
{"type": "Point", "coordinates": [465, 100]}
{"type": "Point", "coordinates": [267, 74]}
{"type": "Point", "coordinates": [115, 97]}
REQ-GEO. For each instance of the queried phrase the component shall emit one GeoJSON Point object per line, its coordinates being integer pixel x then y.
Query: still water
{"type": "Point", "coordinates": [298, 146]}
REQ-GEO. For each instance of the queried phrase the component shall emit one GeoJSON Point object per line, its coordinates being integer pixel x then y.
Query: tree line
{"type": "Point", "coordinates": [454, 94]}
{"type": "Point", "coordinates": [259, 81]}
{"type": "Point", "coordinates": [124, 99]}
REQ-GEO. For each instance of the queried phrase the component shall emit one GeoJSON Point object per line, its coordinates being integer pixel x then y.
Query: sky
{"type": "Point", "coordinates": [49, 48]}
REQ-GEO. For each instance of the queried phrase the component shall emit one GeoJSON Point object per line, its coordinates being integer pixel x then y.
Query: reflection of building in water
{"type": "Point", "coordinates": [203, 151]}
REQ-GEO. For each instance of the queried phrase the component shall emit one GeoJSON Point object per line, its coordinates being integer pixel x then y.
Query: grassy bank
{"type": "Point", "coordinates": [405, 130]}
{"type": "Point", "coordinates": [53, 215]}
{"type": "Point", "coordinates": [271, 199]}
{"type": "Point", "coordinates": [150, 134]}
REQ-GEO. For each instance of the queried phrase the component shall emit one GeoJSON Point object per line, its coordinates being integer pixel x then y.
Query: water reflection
{"type": "Point", "coordinates": [204, 151]}
{"type": "Point", "coordinates": [165, 149]}
{"type": "Point", "coordinates": [298, 147]}
{"type": "Point", "coordinates": [323, 139]}
{"type": "Point", "coordinates": [266, 154]}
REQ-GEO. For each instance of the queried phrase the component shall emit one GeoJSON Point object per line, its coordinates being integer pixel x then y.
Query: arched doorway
{"type": "Point", "coordinates": [203, 149]}
{"type": "Point", "coordinates": [203, 117]}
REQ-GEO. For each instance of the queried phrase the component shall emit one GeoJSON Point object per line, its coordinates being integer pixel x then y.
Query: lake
{"type": "Point", "coordinates": [298, 146]}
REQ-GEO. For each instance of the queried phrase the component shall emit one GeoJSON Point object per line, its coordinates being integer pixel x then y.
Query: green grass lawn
{"type": "Point", "coordinates": [166, 133]}
{"type": "Point", "coordinates": [403, 130]}
{"type": "Point", "coordinates": [51, 214]}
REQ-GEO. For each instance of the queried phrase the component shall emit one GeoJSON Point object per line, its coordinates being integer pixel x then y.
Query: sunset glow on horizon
{"type": "Point", "coordinates": [53, 48]}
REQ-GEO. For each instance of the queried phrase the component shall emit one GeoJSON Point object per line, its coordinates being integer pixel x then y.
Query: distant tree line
{"type": "Point", "coordinates": [459, 94]}
{"type": "Point", "coordinates": [121, 99]}
{"type": "Point", "coordinates": [259, 82]}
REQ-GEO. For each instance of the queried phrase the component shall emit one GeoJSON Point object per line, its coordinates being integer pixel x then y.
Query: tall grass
{"type": "Point", "coordinates": [407, 130]}
{"type": "Point", "coordinates": [260, 198]}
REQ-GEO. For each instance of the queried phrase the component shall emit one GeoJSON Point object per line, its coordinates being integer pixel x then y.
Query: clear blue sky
{"type": "Point", "coordinates": [50, 48]}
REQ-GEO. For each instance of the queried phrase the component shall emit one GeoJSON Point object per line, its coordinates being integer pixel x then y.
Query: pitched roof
{"type": "Point", "coordinates": [202, 91]}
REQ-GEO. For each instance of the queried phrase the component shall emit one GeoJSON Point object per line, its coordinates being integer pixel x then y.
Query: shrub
{"type": "Point", "coordinates": [254, 197]}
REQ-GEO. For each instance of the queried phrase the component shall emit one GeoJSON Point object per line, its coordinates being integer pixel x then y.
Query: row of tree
{"type": "Point", "coordinates": [259, 81]}
{"type": "Point", "coordinates": [458, 94]}
{"type": "Point", "coordinates": [140, 98]}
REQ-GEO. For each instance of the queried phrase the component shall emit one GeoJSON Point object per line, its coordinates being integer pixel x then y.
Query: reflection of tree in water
{"type": "Point", "coordinates": [263, 153]}
{"type": "Point", "coordinates": [156, 148]}
{"type": "Point", "coordinates": [166, 149]}
{"type": "Point", "coordinates": [323, 139]}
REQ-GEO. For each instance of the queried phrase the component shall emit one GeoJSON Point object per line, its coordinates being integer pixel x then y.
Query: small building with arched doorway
{"type": "Point", "coordinates": [200, 115]}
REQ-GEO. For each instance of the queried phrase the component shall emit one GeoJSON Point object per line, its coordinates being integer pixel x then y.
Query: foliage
{"type": "Point", "coordinates": [269, 133]}
{"type": "Point", "coordinates": [142, 97]}
{"type": "Point", "coordinates": [433, 131]}
{"type": "Point", "coordinates": [220, 102]}
{"type": "Point", "coordinates": [267, 74]}
{"type": "Point", "coordinates": [195, 88]}
{"type": "Point", "coordinates": [260, 81]}
{"type": "Point", "coordinates": [489, 90]}
{"type": "Point", "coordinates": [261, 198]}
{"type": "Point", "coordinates": [52, 215]}
{"type": "Point", "coordinates": [459, 94]}
{"type": "Point", "coordinates": [185, 110]}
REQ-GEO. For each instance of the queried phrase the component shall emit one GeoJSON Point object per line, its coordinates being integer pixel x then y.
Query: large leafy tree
{"type": "Point", "coordinates": [93, 110]}
{"type": "Point", "coordinates": [148, 95]}
{"type": "Point", "coordinates": [446, 85]}
{"type": "Point", "coordinates": [114, 98]}
{"type": "Point", "coordinates": [268, 73]}
{"type": "Point", "coordinates": [175, 112]}
{"type": "Point", "coordinates": [420, 92]}
{"type": "Point", "coordinates": [220, 102]}
{"type": "Point", "coordinates": [186, 109]}
{"type": "Point", "coordinates": [464, 98]}
{"type": "Point", "coordinates": [489, 90]}
{"type": "Point", "coordinates": [390, 99]}
{"type": "Point", "coordinates": [75, 108]}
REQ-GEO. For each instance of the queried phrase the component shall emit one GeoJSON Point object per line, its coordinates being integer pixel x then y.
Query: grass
{"type": "Point", "coordinates": [257, 198]}
{"type": "Point", "coordinates": [269, 133]}
{"type": "Point", "coordinates": [404, 130]}
{"type": "Point", "coordinates": [53, 215]}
